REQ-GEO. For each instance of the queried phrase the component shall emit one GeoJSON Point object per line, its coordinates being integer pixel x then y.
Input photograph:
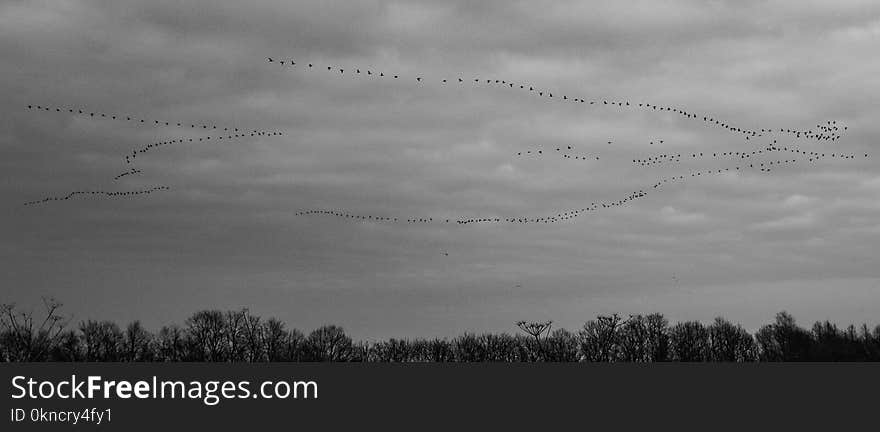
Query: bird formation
{"type": "Point", "coordinates": [677, 157]}
{"type": "Point", "coordinates": [128, 173]}
{"type": "Point", "coordinates": [134, 153]}
{"type": "Point", "coordinates": [547, 219]}
{"type": "Point", "coordinates": [139, 120]}
{"type": "Point", "coordinates": [100, 193]}
{"type": "Point", "coordinates": [762, 167]}
{"type": "Point", "coordinates": [553, 218]}
{"type": "Point", "coordinates": [564, 152]}
{"type": "Point", "coordinates": [558, 217]}
{"type": "Point", "coordinates": [830, 131]}
{"type": "Point", "coordinates": [231, 133]}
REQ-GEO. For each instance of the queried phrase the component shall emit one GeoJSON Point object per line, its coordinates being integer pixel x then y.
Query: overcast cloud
{"type": "Point", "coordinates": [742, 244]}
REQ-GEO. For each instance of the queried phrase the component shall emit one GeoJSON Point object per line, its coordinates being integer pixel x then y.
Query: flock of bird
{"type": "Point", "coordinates": [134, 153]}
{"type": "Point", "coordinates": [137, 120]}
{"type": "Point", "coordinates": [558, 217]}
{"type": "Point", "coordinates": [830, 131]}
{"type": "Point", "coordinates": [561, 216]}
{"type": "Point", "coordinates": [230, 133]}
{"type": "Point", "coordinates": [100, 193]}
{"type": "Point", "coordinates": [765, 167]}
{"type": "Point", "coordinates": [128, 173]}
{"type": "Point", "coordinates": [812, 156]}
{"type": "Point", "coordinates": [564, 152]}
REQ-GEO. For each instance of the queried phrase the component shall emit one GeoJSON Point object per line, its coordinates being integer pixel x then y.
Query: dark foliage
{"type": "Point", "coordinates": [239, 336]}
{"type": "Point", "coordinates": [784, 340]}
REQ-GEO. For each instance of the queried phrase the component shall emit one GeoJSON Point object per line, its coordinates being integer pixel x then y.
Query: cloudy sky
{"type": "Point", "coordinates": [743, 244]}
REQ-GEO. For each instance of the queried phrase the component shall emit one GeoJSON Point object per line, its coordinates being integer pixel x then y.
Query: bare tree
{"type": "Point", "coordinates": [500, 347]}
{"type": "Point", "coordinates": [730, 343]}
{"type": "Point", "coordinates": [171, 344]}
{"type": "Point", "coordinates": [137, 343]}
{"type": "Point", "coordinates": [279, 344]}
{"type": "Point", "coordinates": [233, 335]}
{"type": "Point", "coordinates": [632, 337]}
{"type": "Point", "coordinates": [217, 336]}
{"type": "Point", "coordinates": [689, 342]}
{"type": "Point", "coordinates": [392, 350]}
{"type": "Point", "coordinates": [536, 329]}
{"type": "Point", "coordinates": [598, 339]}
{"type": "Point", "coordinates": [295, 346]}
{"type": "Point", "coordinates": [205, 331]}
{"type": "Point", "coordinates": [784, 340]}
{"type": "Point", "coordinates": [25, 340]}
{"type": "Point", "coordinates": [254, 337]}
{"type": "Point", "coordinates": [67, 348]}
{"type": "Point", "coordinates": [329, 343]}
{"type": "Point", "coordinates": [469, 348]}
{"type": "Point", "coordinates": [561, 346]}
{"type": "Point", "coordinates": [102, 341]}
{"type": "Point", "coordinates": [439, 350]}
{"type": "Point", "coordinates": [658, 337]}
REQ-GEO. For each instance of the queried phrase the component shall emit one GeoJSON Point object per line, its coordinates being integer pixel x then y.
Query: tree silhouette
{"type": "Point", "coordinates": [217, 336]}
{"type": "Point", "coordinates": [536, 329]}
{"type": "Point", "coordinates": [689, 342]}
{"type": "Point", "coordinates": [504, 348]}
{"type": "Point", "coordinates": [24, 340]}
{"type": "Point", "coordinates": [392, 350]}
{"type": "Point", "coordinates": [468, 348]}
{"type": "Point", "coordinates": [329, 344]}
{"type": "Point", "coordinates": [784, 340]}
{"type": "Point", "coordinates": [137, 343]}
{"type": "Point", "coordinates": [730, 343]}
{"type": "Point", "coordinates": [280, 344]}
{"type": "Point", "coordinates": [632, 337]}
{"type": "Point", "coordinates": [598, 339]}
{"type": "Point", "coordinates": [438, 350]}
{"type": "Point", "coordinates": [67, 348]}
{"type": "Point", "coordinates": [657, 344]}
{"type": "Point", "coordinates": [171, 345]}
{"type": "Point", "coordinates": [102, 341]}
{"type": "Point", "coordinates": [207, 331]}
{"type": "Point", "coordinates": [561, 346]}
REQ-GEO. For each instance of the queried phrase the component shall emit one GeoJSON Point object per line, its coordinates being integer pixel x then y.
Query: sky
{"type": "Point", "coordinates": [228, 233]}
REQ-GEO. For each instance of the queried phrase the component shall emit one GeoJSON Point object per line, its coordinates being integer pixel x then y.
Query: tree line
{"type": "Point", "coordinates": [240, 336]}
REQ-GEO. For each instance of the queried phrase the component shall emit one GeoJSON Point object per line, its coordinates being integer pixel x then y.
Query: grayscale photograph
{"type": "Point", "coordinates": [439, 181]}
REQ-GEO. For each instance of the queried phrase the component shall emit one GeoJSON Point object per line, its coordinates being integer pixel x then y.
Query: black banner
{"type": "Point", "coordinates": [381, 396]}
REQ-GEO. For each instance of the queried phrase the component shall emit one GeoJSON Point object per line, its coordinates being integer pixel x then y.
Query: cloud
{"type": "Point", "coordinates": [227, 234]}
{"type": "Point", "coordinates": [796, 200]}
{"type": "Point", "coordinates": [673, 216]}
{"type": "Point", "coordinates": [804, 220]}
